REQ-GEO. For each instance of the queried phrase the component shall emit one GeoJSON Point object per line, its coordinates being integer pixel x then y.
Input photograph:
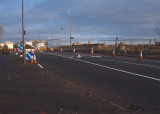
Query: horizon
{"type": "Point", "coordinates": [95, 21]}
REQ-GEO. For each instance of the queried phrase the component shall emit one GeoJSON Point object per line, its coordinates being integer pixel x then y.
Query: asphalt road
{"type": "Point", "coordinates": [127, 83]}
{"type": "Point", "coordinates": [31, 89]}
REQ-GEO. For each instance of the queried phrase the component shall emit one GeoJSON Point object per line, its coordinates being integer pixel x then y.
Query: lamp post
{"type": "Point", "coordinates": [70, 24]}
{"type": "Point", "coordinates": [61, 35]}
{"type": "Point", "coordinates": [0, 39]}
{"type": "Point", "coordinates": [23, 33]}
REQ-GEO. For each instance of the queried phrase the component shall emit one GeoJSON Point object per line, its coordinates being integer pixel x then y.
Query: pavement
{"type": "Point", "coordinates": [30, 89]}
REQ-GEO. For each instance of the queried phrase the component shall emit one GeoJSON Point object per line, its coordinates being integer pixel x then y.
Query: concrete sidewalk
{"type": "Point", "coordinates": [29, 89]}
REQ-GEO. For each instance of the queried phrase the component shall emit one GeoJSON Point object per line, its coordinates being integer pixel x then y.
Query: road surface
{"type": "Point", "coordinates": [127, 83]}
{"type": "Point", "coordinates": [33, 89]}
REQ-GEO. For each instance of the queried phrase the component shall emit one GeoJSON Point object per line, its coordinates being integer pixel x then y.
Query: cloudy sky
{"type": "Point", "coordinates": [93, 20]}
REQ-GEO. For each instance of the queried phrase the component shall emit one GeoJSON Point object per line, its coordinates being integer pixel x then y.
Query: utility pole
{"type": "Point", "coordinates": [23, 33]}
{"type": "Point", "coordinates": [0, 39]}
{"type": "Point", "coordinates": [70, 38]}
{"type": "Point", "coordinates": [70, 27]}
{"type": "Point", "coordinates": [61, 36]}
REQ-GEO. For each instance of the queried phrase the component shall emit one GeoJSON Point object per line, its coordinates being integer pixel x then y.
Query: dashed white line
{"type": "Point", "coordinates": [95, 56]}
{"type": "Point", "coordinates": [39, 65]}
{"type": "Point", "coordinates": [140, 75]}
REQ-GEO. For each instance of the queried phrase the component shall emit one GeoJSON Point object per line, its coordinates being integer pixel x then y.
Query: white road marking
{"type": "Point", "coordinates": [140, 75]}
{"type": "Point", "coordinates": [95, 56]}
{"type": "Point", "coordinates": [131, 63]}
{"type": "Point", "coordinates": [39, 65]}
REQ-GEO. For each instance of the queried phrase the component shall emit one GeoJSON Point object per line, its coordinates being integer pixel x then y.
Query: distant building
{"type": "Point", "coordinates": [157, 43]}
{"type": "Point", "coordinates": [36, 43]}
{"type": "Point", "coordinates": [89, 41]}
{"type": "Point", "coordinates": [2, 44]}
{"type": "Point", "coordinates": [122, 46]}
{"type": "Point", "coordinates": [77, 43]}
{"type": "Point", "coordinates": [9, 44]}
{"type": "Point", "coordinates": [29, 43]}
{"type": "Point", "coordinates": [39, 44]}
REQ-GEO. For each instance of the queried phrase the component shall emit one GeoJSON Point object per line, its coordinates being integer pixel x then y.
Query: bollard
{"type": "Point", "coordinates": [91, 51]}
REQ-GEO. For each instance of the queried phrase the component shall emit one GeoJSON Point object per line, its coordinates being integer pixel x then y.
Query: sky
{"type": "Point", "coordinates": [95, 20]}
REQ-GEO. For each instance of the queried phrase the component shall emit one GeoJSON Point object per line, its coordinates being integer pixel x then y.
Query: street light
{"type": "Point", "coordinates": [61, 35]}
{"type": "Point", "coordinates": [70, 25]}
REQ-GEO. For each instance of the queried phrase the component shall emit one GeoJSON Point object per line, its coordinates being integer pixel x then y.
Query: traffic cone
{"type": "Point", "coordinates": [61, 50]}
{"type": "Point", "coordinates": [91, 51]}
{"type": "Point", "coordinates": [34, 58]}
{"type": "Point", "coordinates": [113, 54]}
{"type": "Point", "coordinates": [140, 55]}
{"type": "Point", "coordinates": [74, 50]}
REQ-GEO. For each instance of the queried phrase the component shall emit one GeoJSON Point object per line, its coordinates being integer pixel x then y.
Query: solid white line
{"type": "Point", "coordinates": [111, 68]}
{"type": "Point", "coordinates": [39, 65]}
{"type": "Point", "coordinates": [116, 69]}
{"type": "Point", "coordinates": [132, 63]}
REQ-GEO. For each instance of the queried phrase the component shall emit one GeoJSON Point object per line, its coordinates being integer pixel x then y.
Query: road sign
{"type": "Point", "coordinates": [20, 47]}
{"type": "Point", "coordinates": [29, 55]}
